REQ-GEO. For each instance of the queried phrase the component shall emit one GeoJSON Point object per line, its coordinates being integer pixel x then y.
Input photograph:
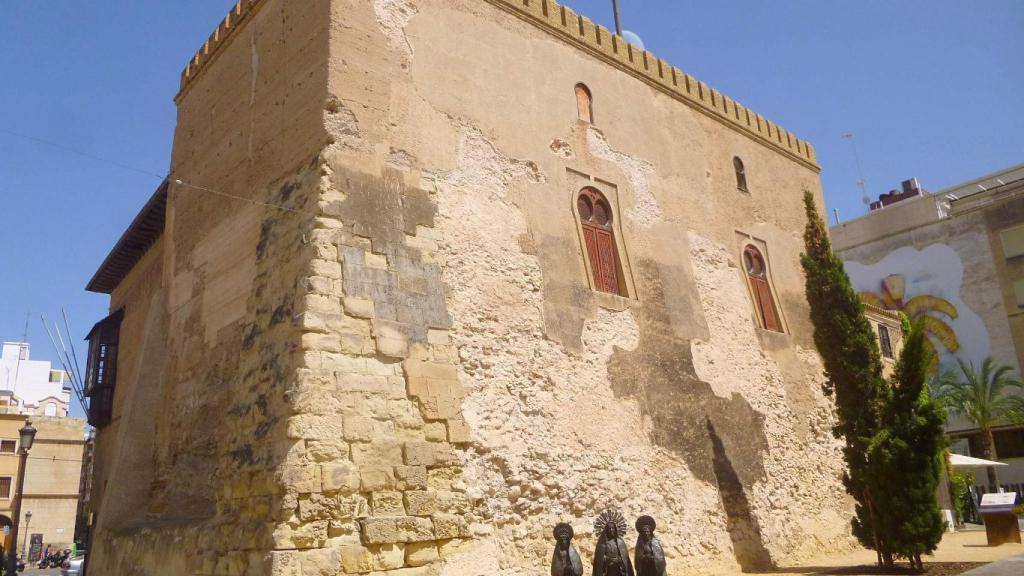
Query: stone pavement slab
{"type": "Point", "coordinates": [1009, 567]}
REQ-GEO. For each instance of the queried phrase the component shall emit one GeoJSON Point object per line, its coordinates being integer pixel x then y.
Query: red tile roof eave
{"type": "Point", "coordinates": [144, 230]}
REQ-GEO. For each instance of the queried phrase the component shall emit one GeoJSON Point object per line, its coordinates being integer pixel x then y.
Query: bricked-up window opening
{"type": "Point", "coordinates": [884, 342]}
{"type": "Point", "coordinates": [5, 487]}
{"type": "Point", "coordinates": [741, 173]}
{"type": "Point", "coordinates": [101, 368]}
{"type": "Point", "coordinates": [757, 274]}
{"type": "Point", "coordinates": [599, 238]}
{"type": "Point", "coordinates": [584, 103]}
{"type": "Point", "coordinates": [8, 446]}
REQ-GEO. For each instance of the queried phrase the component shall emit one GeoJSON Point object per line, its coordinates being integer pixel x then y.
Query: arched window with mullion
{"type": "Point", "coordinates": [599, 239]}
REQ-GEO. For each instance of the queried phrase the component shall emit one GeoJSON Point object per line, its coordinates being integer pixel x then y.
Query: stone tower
{"type": "Point", "coordinates": [430, 276]}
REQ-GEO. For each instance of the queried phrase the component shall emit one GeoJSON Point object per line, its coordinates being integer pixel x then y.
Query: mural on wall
{"type": "Point", "coordinates": [925, 285]}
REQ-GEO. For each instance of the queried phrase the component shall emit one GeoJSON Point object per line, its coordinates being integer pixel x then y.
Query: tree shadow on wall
{"type": "Point", "coordinates": [744, 530]}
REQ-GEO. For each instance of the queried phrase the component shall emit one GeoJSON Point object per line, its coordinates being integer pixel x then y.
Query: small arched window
{"type": "Point", "coordinates": [584, 103]}
{"type": "Point", "coordinates": [599, 237]}
{"type": "Point", "coordinates": [757, 275]}
{"type": "Point", "coordinates": [51, 409]}
{"type": "Point", "coordinates": [741, 173]}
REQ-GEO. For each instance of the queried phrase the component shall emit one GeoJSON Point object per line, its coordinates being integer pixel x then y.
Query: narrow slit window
{"type": "Point", "coordinates": [584, 103]}
{"type": "Point", "coordinates": [599, 240]}
{"type": "Point", "coordinates": [741, 173]}
{"type": "Point", "coordinates": [884, 341]}
{"type": "Point", "coordinates": [757, 275]}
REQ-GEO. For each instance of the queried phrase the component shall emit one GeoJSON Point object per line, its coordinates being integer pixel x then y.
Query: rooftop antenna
{"type": "Point", "coordinates": [65, 362]}
{"type": "Point", "coordinates": [71, 342]}
{"type": "Point", "coordinates": [618, 21]}
{"type": "Point", "coordinates": [861, 183]}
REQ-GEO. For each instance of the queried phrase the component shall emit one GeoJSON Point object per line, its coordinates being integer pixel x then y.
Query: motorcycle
{"type": "Point", "coordinates": [55, 560]}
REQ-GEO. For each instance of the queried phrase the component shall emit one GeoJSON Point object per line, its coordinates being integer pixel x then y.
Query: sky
{"type": "Point", "coordinates": [931, 89]}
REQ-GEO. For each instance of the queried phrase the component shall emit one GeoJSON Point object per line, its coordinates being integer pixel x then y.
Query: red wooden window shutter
{"type": "Point", "coordinates": [607, 274]}
{"type": "Point", "coordinates": [596, 216]}
{"type": "Point", "coordinates": [766, 304]}
{"type": "Point", "coordinates": [757, 273]}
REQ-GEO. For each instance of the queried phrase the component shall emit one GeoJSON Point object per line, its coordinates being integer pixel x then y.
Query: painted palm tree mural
{"type": "Point", "coordinates": [931, 310]}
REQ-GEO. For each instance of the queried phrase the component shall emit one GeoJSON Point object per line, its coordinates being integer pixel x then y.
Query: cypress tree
{"type": "Point", "coordinates": [906, 459]}
{"type": "Point", "coordinates": [853, 368]}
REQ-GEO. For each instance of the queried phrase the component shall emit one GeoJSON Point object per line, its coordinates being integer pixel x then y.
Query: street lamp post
{"type": "Point", "coordinates": [28, 436]}
{"type": "Point", "coordinates": [24, 539]}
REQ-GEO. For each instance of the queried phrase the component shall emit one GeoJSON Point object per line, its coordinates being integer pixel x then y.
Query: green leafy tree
{"type": "Point", "coordinates": [906, 458]}
{"type": "Point", "coordinates": [853, 367]}
{"type": "Point", "coordinates": [960, 493]}
{"type": "Point", "coordinates": [986, 398]}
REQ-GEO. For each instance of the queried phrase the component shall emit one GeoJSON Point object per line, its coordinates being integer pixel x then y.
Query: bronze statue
{"type": "Point", "coordinates": [566, 560]}
{"type": "Point", "coordinates": [611, 557]}
{"type": "Point", "coordinates": [650, 556]}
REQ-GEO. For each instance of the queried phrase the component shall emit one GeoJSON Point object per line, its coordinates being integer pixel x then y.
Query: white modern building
{"type": "Point", "coordinates": [953, 259]}
{"type": "Point", "coordinates": [29, 386]}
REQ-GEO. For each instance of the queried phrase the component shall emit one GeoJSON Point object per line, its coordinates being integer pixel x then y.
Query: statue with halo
{"type": "Point", "coordinates": [611, 557]}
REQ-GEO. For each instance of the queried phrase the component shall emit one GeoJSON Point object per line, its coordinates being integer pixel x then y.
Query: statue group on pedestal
{"type": "Point", "coordinates": [611, 556]}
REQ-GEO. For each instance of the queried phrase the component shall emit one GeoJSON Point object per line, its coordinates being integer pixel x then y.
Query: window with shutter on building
{"type": "Point", "coordinates": [884, 341]}
{"type": "Point", "coordinates": [1013, 241]}
{"type": "Point", "coordinates": [101, 368]}
{"type": "Point", "coordinates": [599, 239]}
{"type": "Point", "coordinates": [5, 487]}
{"type": "Point", "coordinates": [764, 302]}
{"type": "Point", "coordinates": [1018, 293]}
{"type": "Point", "coordinates": [8, 446]}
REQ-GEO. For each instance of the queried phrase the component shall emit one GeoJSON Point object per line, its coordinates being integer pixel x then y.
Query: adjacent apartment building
{"type": "Point", "coordinates": [32, 386]}
{"type": "Point", "coordinates": [30, 390]}
{"type": "Point", "coordinates": [956, 259]}
{"type": "Point", "coordinates": [431, 276]}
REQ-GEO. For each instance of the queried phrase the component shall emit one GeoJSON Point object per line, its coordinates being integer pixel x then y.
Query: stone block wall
{"type": "Point", "coordinates": [377, 408]}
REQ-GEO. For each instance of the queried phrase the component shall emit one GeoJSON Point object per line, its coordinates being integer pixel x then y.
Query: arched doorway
{"type": "Point", "coordinates": [7, 527]}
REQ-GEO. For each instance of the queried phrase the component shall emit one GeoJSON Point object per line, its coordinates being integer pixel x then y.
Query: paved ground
{"type": "Point", "coordinates": [37, 572]}
{"type": "Point", "coordinates": [957, 552]}
{"type": "Point", "coordinates": [1010, 567]}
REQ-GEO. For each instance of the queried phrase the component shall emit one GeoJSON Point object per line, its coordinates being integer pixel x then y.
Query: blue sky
{"type": "Point", "coordinates": [931, 89]}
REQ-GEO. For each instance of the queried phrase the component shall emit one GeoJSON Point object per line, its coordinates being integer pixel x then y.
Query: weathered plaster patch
{"type": "Point", "coordinates": [341, 124]}
{"type": "Point", "coordinates": [400, 159]}
{"type": "Point", "coordinates": [645, 210]}
{"type": "Point", "coordinates": [561, 148]}
{"type": "Point", "coordinates": [392, 17]}
{"type": "Point", "coordinates": [482, 167]}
